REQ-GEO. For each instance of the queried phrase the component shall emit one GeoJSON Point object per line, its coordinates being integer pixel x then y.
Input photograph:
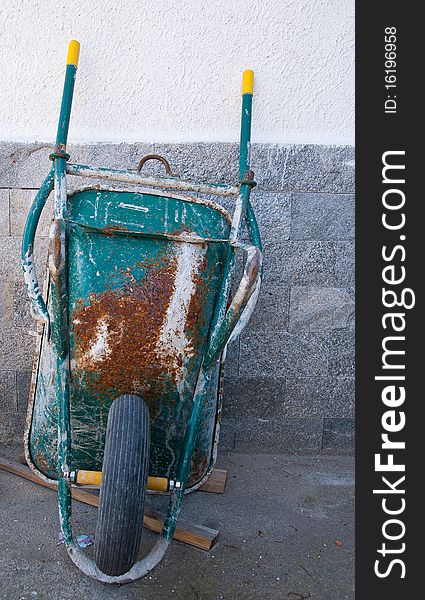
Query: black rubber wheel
{"type": "Point", "coordinates": [122, 493]}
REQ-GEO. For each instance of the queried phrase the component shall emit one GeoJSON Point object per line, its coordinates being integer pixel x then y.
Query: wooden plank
{"type": "Point", "coordinates": [13, 467]}
{"type": "Point", "coordinates": [189, 533]}
{"type": "Point", "coordinates": [216, 482]}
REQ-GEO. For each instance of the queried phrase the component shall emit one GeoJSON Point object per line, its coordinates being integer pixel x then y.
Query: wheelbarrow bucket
{"type": "Point", "coordinates": [133, 276]}
{"type": "Point", "coordinates": [136, 314]}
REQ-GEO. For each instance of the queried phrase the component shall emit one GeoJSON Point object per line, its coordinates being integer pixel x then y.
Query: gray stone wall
{"type": "Point", "coordinates": [290, 377]}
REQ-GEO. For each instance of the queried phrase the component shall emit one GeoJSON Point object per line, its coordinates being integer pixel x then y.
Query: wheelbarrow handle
{"type": "Point", "coordinates": [242, 305]}
{"type": "Point", "coordinates": [38, 306]}
{"type": "Point", "coordinates": [66, 103]}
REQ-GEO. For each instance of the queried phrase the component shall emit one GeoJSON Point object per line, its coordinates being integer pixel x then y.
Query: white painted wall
{"type": "Point", "coordinates": [169, 70]}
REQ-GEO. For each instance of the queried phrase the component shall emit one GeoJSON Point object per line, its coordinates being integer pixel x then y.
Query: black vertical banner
{"type": "Point", "coordinates": [390, 233]}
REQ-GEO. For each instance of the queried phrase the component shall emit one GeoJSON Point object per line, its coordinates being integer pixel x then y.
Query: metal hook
{"type": "Point", "coordinates": [161, 159]}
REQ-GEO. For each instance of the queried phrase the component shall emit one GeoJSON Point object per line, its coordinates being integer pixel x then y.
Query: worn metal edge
{"type": "Point", "coordinates": [33, 385]}
{"type": "Point", "coordinates": [155, 192]}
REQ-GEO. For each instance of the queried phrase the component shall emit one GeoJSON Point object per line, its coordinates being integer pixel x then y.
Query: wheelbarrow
{"type": "Point", "coordinates": [136, 314]}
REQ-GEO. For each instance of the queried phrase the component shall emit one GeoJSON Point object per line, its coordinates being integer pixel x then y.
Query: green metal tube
{"type": "Point", "coordinates": [35, 213]}
{"type": "Point", "coordinates": [60, 340]}
{"type": "Point", "coordinates": [187, 452]}
{"type": "Point", "coordinates": [27, 251]}
{"type": "Point", "coordinates": [244, 167]}
{"type": "Point", "coordinates": [65, 112]}
{"type": "Point", "coordinates": [252, 225]}
{"type": "Point", "coordinates": [241, 206]}
{"type": "Point", "coordinates": [59, 300]}
{"type": "Point", "coordinates": [59, 156]}
{"type": "Point", "coordinates": [245, 139]}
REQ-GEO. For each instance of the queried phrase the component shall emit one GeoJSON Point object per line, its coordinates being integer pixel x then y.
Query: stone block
{"type": "Point", "coordinates": [272, 310]}
{"type": "Point", "coordinates": [8, 397]}
{"type": "Point", "coordinates": [345, 263]}
{"type": "Point", "coordinates": [299, 263]}
{"type": "Point", "coordinates": [320, 397]}
{"type": "Point", "coordinates": [262, 397]}
{"type": "Point", "coordinates": [338, 435]}
{"type": "Point", "coordinates": [342, 353]}
{"type": "Point", "coordinates": [227, 439]}
{"type": "Point", "coordinates": [320, 309]}
{"type": "Point", "coordinates": [11, 428]}
{"type": "Point", "coordinates": [6, 303]}
{"type": "Point", "coordinates": [341, 402]}
{"type": "Point", "coordinates": [270, 435]}
{"type": "Point", "coordinates": [281, 354]}
{"type": "Point", "coordinates": [17, 346]}
{"type": "Point", "coordinates": [23, 382]}
{"type": "Point", "coordinates": [304, 168]}
{"type": "Point", "coordinates": [231, 365]}
{"type": "Point", "coordinates": [21, 307]}
{"type": "Point", "coordinates": [322, 217]}
{"type": "Point", "coordinates": [20, 203]}
{"type": "Point", "coordinates": [273, 213]}
{"type": "Point", "coordinates": [24, 165]}
{"type": "Point", "coordinates": [4, 213]}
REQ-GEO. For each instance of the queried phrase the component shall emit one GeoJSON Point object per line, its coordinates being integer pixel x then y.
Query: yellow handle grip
{"type": "Point", "coordinates": [73, 53]}
{"type": "Point", "coordinates": [248, 82]}
{"type": "Point", "coordinates": [158, 484]}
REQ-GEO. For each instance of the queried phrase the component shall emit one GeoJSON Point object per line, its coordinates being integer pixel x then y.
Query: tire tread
{"type": "Point", "coordinates": [122, 493]}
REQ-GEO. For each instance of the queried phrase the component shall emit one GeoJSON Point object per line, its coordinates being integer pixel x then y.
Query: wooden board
{"type": "Point", "coordinates": [216, 482]}
{"type": "Point", "coordinates": [188, 533]}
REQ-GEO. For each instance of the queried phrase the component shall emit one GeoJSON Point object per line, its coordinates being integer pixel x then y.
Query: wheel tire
{"type": "Point", "coordinates": [122, 493]}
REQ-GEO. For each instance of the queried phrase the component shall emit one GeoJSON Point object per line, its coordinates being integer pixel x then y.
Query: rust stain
{"type": "Point", "coordinates": [199, 467]}
{"type": "Point", "coordinates": [252, 270]}
{"type": "Point", "coordinates": [39, 458]}
{"type": "Point", "coordinates": [120, 347]}
{"type": "Point", "coordinates": [111, 229]}
{"type": "Point", "coordinates": [56, 254]}
{"type": "Point", "coordinates": [195, 321]}
{"type": "Point", "coordinates": [116, 334]}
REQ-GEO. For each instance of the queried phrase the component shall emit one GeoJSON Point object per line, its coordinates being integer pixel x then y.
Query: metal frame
{"type": "Point", "coordinates": [226, 322]}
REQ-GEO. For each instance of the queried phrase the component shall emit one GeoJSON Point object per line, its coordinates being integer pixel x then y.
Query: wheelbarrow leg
{"type": "Point", "coordinates": [186, 455]}
{"type": "Point", "coordinates": [189, 443]}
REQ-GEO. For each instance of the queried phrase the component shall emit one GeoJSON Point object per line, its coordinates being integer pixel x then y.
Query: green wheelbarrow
{"type": "Point", "coordinates": [136, 315]}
